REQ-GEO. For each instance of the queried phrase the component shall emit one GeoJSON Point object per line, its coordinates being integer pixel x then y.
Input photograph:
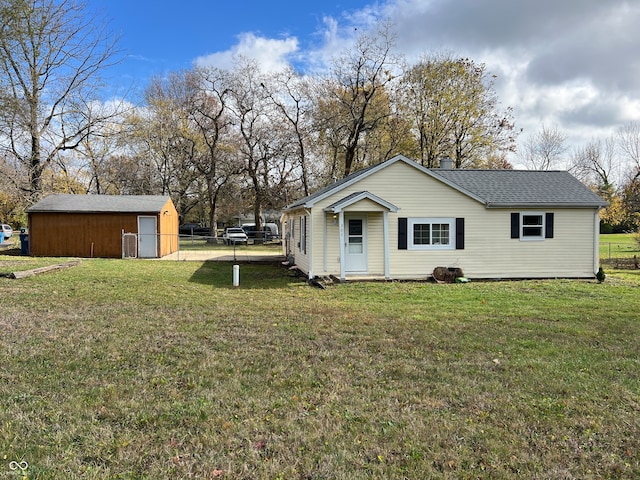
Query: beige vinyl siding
{"type": "Point", "coordinates": [416, 194]}
{"type": "Point", "coordinates": [302, 259]}
{"type": "Point", "coordinates": [375, 244]}
{"type": "Point", "coordinates": [365, 205]}
{"type": "Point", "coordinates": [332, 240]}
{"type": "Point", "coordinates": [489, 250]}
{"type": "Point", "coordinates": [568, 254]}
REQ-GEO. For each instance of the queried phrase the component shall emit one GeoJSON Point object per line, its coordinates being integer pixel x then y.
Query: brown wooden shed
{"type": "Point", "coordinates": [103, 226]}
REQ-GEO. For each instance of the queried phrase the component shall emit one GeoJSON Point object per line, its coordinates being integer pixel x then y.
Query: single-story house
{"type": "Point", "coordinates": [400, 220]}
{"type": "Point", "coordinates": [107, 226]}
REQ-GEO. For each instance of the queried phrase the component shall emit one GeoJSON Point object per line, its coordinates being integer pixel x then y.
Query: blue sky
{"type": "Point", "coordinates": [158, 36]}
{"type": "Point", "coordinates": [573, 64]}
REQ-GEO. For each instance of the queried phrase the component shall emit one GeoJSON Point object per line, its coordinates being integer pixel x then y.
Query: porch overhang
{"type": "Point", "coordinates": [356, 197]}
{"type": "Point", "coordinates": [362, 202]}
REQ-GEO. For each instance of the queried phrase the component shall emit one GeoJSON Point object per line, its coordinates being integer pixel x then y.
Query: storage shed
{"type": "Point", "coordinates": [104, 226]}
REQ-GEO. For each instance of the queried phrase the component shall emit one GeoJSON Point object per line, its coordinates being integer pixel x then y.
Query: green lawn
{"type": "Point", "coordinates": [151, 369]}
{"type": "Point", "coordinates": [196, 243]}
{"type": "Point", "coordinates": [618, 246]}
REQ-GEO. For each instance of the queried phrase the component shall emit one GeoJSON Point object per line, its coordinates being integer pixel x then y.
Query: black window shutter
{"type": "Point", "coordinates": [402, 233]}
{"type": "Point", "coordinates": [548, 225]}
{"type": "Point", "coordinates": [515, 225]}
{"type": "Point", "coordinates": [459, 233]}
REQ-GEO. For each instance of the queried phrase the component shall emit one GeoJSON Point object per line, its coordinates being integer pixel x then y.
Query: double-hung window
{"type": "Point", "coordinates": [531, 226]}
{"type": "Point", "coordinates": [431, 233]}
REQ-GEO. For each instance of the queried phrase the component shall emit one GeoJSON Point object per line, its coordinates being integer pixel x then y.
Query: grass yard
{"type": "Point", "coordinates": [618, 247]}
{"type": "Point", "coordinates": [202, 244]}
{"type": "Point", "coordinates": [152, 369]}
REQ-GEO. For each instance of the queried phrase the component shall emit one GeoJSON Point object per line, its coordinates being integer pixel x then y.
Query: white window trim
{"type": "Point", "coordinates": [431, 220]}
{"type": "Point", "coordinates": [532, 238]}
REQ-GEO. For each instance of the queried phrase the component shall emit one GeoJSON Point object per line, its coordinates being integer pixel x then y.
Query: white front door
{"type": "Point", "coordinates": [356, 244]}
{"type": "Point", "coordinates": [147, 237]}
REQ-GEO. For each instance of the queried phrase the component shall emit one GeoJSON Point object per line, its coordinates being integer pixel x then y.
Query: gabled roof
{"type": "Point", "coordinates": [356, 197]}
{"type": "Point", "coordinates": [522, 188]}
{"type": "Point", "coordinates": [493, 188]}
{"type": "Point", "coordinates": [66, 203]}
{"type": "Point", "coordinates": [309, 200]}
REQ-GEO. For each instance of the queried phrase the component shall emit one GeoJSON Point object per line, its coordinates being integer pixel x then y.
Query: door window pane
{"type": "Point", "coordinates": [356, 247]}
{"type": "Point", "coordinates": [355, 240]}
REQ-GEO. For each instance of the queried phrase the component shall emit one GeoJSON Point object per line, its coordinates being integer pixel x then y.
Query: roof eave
{"type": "Point", "coordinates": [342, 185]}
{"type": "Point", "coordinates": [433, 173]}
{"type": "Point", "coordinates": [545, 205]}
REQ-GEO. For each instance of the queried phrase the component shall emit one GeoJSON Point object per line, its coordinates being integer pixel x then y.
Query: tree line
{"type": "Point", "coordinates": [227, 141]}
{"type": "Point", "coordinates": [610, 166]}
{"type": "Point", "coordinates": [224, 141]}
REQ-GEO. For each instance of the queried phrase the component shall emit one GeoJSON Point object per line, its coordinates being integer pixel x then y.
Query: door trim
{"type": "Point", "coordinates": [365, 251]}
{"type": "Point", "coordinates": [144, 236]}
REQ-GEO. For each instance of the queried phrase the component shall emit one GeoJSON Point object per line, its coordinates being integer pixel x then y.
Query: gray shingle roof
{"type": "Point", "coordinates": [100, 204]}
{"type": "Point", "coordinates": [356, 196]}
{"type": "Point", "coordinates": [328, 188]}
{"type": "Point", "coordinates": [522, 188]}
{"type": "Point", "coordinates": [494, 188]}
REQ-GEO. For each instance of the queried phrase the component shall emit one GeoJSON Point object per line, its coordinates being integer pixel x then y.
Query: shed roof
{"type": "Point", "coordinates": [67, 203]}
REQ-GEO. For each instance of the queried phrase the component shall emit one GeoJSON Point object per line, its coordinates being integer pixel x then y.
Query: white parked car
{"type": "Point", "coordinates": [233, 235]}
{"type": "Point", "coordinates": [7, 230]}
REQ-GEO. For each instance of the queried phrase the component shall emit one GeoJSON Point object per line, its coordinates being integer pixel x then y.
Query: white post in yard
{"type": "Point", "coordinates": [236, 275]}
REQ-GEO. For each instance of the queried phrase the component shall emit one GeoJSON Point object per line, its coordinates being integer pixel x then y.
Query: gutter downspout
{"type": "Point", "coordinates": [324, 242]}
{"type": "Point", "coordinates": [343, 274]}
{"type": "Point", "coordinates": [596, 241]}
{"type": "Point", "coordinates": [309, 241]}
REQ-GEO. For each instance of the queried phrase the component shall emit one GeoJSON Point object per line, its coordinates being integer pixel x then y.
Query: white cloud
{"type": "Point", "coordinates": [271, 54]}
{"type": "Point", "coordinates": [570, 63]}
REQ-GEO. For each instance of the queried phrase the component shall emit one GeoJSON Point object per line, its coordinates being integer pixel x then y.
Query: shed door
{"type": "Point", "coordinates": [356, 245]}
{"type": "Point", "coordinates": [147, 237]}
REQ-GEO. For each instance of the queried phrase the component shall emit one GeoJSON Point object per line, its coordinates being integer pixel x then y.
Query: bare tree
{"type": "Point", "coordinates": [290, 94]}
{"type": "Point", "coordinates": [628, 141]}
{"type": "Point", "coordinates": [93, 162]}
{"type": "Point", "coordinates": [212, 120]}
{"type": "Point", "coordinates": [165, 136]}
{"type": "Point", "coordinates": [51, 55]}
{"type": "Point", "coordinates": [594, 165]}
{"type": "Point", "coordinates": [544, 149]}
{"type": "Point", "coordinates": [453, 109]}
{"type": "Point", "coordinates": [348, 105]}
{"type": "Point", "coordinates": [262, 145]}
